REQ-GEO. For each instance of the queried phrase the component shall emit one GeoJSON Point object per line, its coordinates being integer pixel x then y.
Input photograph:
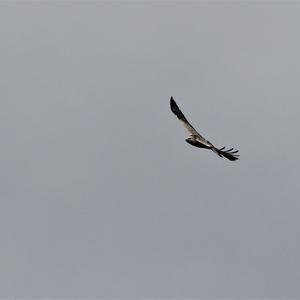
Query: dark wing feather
{"type": "Point", "coordinates": [229, 154]}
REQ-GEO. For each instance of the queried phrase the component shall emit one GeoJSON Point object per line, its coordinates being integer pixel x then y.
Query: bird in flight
{"type": "Point", "coordinates": [199, 141]}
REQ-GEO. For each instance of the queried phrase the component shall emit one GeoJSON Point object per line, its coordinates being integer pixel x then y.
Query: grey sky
{"type": "Point", "coordinates": [100, 194]}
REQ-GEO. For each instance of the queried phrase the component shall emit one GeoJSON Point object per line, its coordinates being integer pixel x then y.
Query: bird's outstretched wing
{"type": "Point", "coordinates": [178, 113]}
{"type": "Point", "coordinates": [191, 130]}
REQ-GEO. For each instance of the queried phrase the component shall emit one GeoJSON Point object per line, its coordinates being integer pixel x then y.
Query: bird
{"type": "Point", "coordinates": [197, 140]}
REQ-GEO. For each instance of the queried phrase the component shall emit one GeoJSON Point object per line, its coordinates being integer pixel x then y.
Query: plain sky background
{"type": "Point", "coordinates": [100, 194]}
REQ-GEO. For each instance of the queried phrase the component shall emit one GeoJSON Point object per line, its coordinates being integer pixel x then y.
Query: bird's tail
{"type": "Point", "coordinates": [229, 154]}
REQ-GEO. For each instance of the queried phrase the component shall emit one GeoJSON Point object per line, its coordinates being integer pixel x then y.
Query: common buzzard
{"type": "Point", "coordinates": [199, 141]}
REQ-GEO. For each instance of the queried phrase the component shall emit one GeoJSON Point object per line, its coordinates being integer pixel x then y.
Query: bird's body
{"type": "Point", "coordinates": [196, 139]}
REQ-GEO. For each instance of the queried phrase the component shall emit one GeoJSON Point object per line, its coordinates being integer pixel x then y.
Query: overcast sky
{"type": "Point", "coordinates": [101, 196]}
